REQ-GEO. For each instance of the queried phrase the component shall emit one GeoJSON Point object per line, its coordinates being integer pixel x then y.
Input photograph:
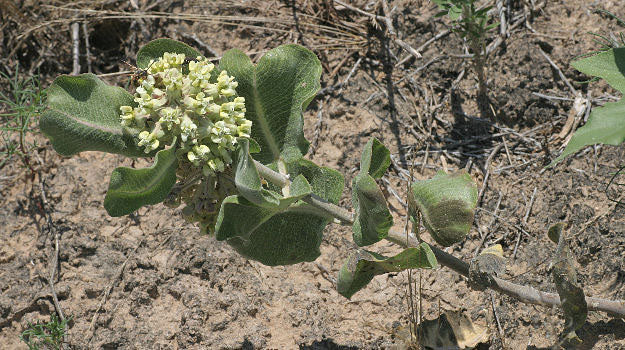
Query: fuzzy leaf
{"type": "Point", "coordinates": [605, 125]}
{"type": "Point", "coordinates": [362, 266]}
{"type": "Point", "coordinates": [447, 204]}
{"type": "Point", "coordinates": [248, 181]}
{"type": "Point", "coordinates": [565, 277]}
{"type": "Point", "coordinates": [83, 115]}
{"type": "Point", "coordinates": [288, 233]}
{"type": "Point", "coordinates": [609, 65]}
{"type": "Point", "coordinates": [156, 48]}
{"type": "Point", "coordinates": [373, 219]}
{"type": "Point", "coordinates": [276, 92]}
{"type": "Point", "coordinates": [131, 189]}
{"type": "Point", "coordinates": [375, 159]}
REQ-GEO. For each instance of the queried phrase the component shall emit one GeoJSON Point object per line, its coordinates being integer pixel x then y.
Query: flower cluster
{"type": "Point", "coordinates": [183, 99]}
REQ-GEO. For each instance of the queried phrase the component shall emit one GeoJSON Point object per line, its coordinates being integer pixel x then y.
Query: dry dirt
{"type": "Point", "coordinates": [172, 288]}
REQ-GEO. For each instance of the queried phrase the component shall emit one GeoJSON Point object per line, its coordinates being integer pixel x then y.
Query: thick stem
{"type": "Point", "coordinates": [522, 293]}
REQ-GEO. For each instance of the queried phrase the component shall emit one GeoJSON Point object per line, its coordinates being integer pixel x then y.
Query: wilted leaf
{"type": "Point", "coordinates": [372, 218]}
{"type": "Point", "coordinates": [286, 234]}
{"type": "Point", "coordinates": [130, 189]}
{"type": "Point", "coordinates": [565, 277]}
{"type": "Point", "coordinates": [452, 330]}
{"type": "Point", "coordinates": [83, 115]}
{"type": "Point", "coordinates": [276, 92]}
{"type": "Point", "coordinates": [362, 266]}
{"type": "Point", "coordinates": [485, 266]}
{"type": "Point", "coordinates": [447, 204]}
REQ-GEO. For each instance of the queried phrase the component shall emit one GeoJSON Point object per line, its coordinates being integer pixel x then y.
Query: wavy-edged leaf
{"type": "Point", "coordinates": [609, 65]}
{"type": "Point", "coordinates": [362, 266]}
{"type": "Point", "coordinates": [447, 204]}
{"type": "Point", "coordinates": [276, 92]}
{"type": "Point", "coordinates": [83, 115]}
{"type": "Point", "coordinates": [248, 181]}
{"type": "Point", "coordinates": [156, 48]}
{"type": "Point", "coordinates": [605, 125]}
{"type": "Point", "coordinates": [565, 277]}
{"type": "Point", "coordinates": [289, 233]}
{"type": "Point", "coordinates": [372, 218]}
{"type": "Point", "coordinates": [131, 189]}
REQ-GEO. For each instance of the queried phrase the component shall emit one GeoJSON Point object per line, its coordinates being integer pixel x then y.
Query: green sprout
{"type": "Point", "coordinates": [45, 334]}
{"type": "Point", "coordinates": [472, 24]}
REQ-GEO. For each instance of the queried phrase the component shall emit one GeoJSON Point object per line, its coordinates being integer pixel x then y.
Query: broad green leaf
{"type": "Point", "coordinates": [248, 181]}
{"type": "Point", "coordinates": [289, 233]}
{"type": "Point", "coordinates": [609, 65]}
{"type": "Point", "coordinates": [83, 115]}
{"type": "Point", "coordinates": [605, 125]}
{"type": "Point", "coordinates": [447, 204]}
{"type": "Point", "coordinates": [362, 266]}
{"type": "Point", "coordinates": [372, 218]}
{"type": "Point", "coordinates": [131, 189]}
{"type": "Point", "coordinates": [276, 92]}
{"type": "Point", "coordinates": [565, 277]}
{"type": "Point", "coordinates": [156, 48]}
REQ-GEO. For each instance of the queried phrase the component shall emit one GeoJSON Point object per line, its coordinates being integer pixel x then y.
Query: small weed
{"type": "Point", "coordinates": [471, 24]}
{"type": "Point", "coordinates": [45, 335]}
{"type": "Point", "coordinates": [21, 101]}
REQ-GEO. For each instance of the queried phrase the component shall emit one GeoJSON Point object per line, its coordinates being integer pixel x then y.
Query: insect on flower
{"type": "Point", "coordinates": [137, 75]}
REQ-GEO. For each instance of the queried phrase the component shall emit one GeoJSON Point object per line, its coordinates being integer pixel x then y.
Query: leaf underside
{"type": "Point", "coordinates": [447, 204]}
{"type": "Point", "coordinates": [372, 217]}
{"type": "Point", "coordinates": [247, 180]}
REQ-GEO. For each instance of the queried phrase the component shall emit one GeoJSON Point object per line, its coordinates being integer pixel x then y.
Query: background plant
{"type": "Point", "coordinates": [606, 124]}
{"type": "Point", "coordinates": [22, 99]}
{"type": "Point", "coordinates": [472, 24]}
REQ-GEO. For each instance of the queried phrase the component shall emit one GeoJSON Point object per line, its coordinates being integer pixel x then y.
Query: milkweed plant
{"type": "Point", "coordinates": [227, 140]}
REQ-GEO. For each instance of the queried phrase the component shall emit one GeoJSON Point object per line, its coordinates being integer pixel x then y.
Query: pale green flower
{"type": "Point", "coordinates": [179, 99]}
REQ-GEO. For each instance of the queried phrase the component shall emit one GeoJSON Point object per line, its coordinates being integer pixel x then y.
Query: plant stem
{"type": "Point", "coordinates": [522, 293]}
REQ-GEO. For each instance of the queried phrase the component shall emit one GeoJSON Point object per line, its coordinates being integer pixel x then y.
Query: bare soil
{"type": "Point", "coordinates": [151, 281]}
